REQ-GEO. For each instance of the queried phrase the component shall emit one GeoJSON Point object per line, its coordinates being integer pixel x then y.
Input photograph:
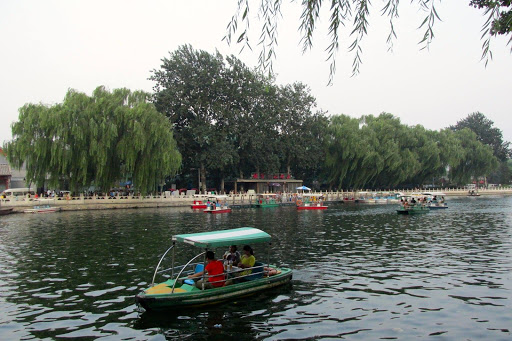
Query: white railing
{"type": "Point", "coordinates": [233, 199]}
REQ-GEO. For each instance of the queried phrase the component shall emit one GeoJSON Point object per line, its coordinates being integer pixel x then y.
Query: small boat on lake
{"type": "Point", "coordinates": [198, 205]}
{"type": "Point", "coordinates": [412, 204]}
{"type": "Point", "coordinates": [473, 193]}
{"type": "Point", "coordinates": [435, 200]}
{"type": "Point", "coordinates": [6, 210]}
{"type": "Point", "coordinates": [310, 202]}
{"type": "Point", "coordinates": [178, 292]}
{"type": "Point", "coordinates": [266, 200]}
{"type": "Point", "coordinates": [42, 209]}
{"type": "Point", "coordinates": [365, 198]}
{"type": "Point", "coordinates": [217, 204]}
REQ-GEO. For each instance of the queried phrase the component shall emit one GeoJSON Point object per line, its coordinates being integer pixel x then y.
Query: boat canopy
{"type": "Point", "coordinates": [242, 235]}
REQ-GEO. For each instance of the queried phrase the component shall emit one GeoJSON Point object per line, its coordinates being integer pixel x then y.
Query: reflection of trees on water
{"type": "Point", "coordinates": [85, 267]}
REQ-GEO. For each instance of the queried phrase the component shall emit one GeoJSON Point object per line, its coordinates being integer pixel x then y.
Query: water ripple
{"type": "Point", "coordinates": [361, 272]}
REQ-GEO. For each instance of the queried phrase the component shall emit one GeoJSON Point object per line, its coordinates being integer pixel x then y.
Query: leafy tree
{"type": "Point", "coordinates": [486, 133]}
{"type": "Point", "coordinates": [299, 139]}
{"type": "Point", "coordinates": [230, 120]}
{"type": "Point", "coordinates": [189, 90]}
{"type": "Point", "coordinates": [342, 14]}
{"type": "Point", "coordinates": [477, 159]}
{"type": "Point", "coordinates": [500, 19]}
{"type": "Point", "coordinates": [95, 140]}
{"type": "Point", "coordinates": [382, 152]}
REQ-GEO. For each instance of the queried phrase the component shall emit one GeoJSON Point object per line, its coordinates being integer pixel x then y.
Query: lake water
{"type": "Point", "coordinates": [361, 272]}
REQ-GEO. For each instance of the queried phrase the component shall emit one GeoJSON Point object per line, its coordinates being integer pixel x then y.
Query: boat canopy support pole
{"type": "Point", "coordinates": [204, 271]}
{"type": "Point", "coordinates": [268, 256]}
{"type": "Point", "coordinates": [158, 266]}
{"type": "Point", "coordinates": [173, 254]}
{"type": "Point", "coordinates": [184, 267]}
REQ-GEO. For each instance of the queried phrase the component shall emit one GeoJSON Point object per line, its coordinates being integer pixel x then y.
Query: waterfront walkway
{"type": "Point", "coordinates": [236, 200]}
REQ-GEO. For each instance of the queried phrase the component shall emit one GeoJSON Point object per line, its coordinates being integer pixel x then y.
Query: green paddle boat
{"type": "Point", "coordinates": [266, 200]}
{"type": "Point", "coordinates": [178, 291]}
{"type": "Point", "coordinates": [412, 204]}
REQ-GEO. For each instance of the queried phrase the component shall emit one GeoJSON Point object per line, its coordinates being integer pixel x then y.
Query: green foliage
{"type": "Point", "coordinates": [355, 16]}
{"type": "Point", "coordinates": [231, 120]}
{"type": "Point", "coordinates": [96, 140]}
{"type": "Point", "coordinates": [382, 152]}
{"type": "Point", "coordinates": [486, 133]}
{"type": "Point", "coordinates": [477, 159]}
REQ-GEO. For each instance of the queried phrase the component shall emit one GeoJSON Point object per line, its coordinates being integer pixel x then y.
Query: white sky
{"type": "Point", "coordinates": [50, 46]}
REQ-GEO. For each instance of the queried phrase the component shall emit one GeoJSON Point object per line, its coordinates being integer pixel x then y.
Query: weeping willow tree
{"type": "Point", "coordinates": [96, 140]}
{"type": "Point", "coordinates": [382, 152]}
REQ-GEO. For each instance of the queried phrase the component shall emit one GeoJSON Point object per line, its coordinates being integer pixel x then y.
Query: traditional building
{"type": "Point", "coordinates": [5, 171]}
{"type": "Point", "coordinates": [9, 177]}
{"type": "Point", "coordinates": [261, 183]}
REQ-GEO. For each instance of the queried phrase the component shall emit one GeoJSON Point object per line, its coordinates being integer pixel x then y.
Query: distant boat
{"type": "Point", "coordinates": [42, 209]}
{"type": "Point", "coordinates": [266, 200]}
{"type": "Point", "coordinates": [473, 193]}
{"type": "Point", "coordinates": [413, 209]}
{"type": "Point", "coordinates": [435, 200]}
{"type": "Point", "coordinates": [6, 210]}
{"type": "Point", "coordinates": [411, 204]}
{"type": "Point", "coordinates": [311, 202]}
{"type": "Point", "coordinates": [217, 204]}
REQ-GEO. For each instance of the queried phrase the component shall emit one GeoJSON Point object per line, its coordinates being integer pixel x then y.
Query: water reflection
{"type": "Point", "coordinates": [360, 272]}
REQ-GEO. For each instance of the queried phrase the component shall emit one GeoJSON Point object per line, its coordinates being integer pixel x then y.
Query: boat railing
{"type": "Point", "coordinates": [262, 267]}
{"type": "Point", "coordinates": [160, 262]}
{"type": "Point", "coordinates": [184, 267]}
{"type": "Point", "coordinates": [179, 267]}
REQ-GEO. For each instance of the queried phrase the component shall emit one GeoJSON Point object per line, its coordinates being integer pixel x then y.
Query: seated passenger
{"type": "Point", "coordinates": [215, 271]}
{"type": "Point", "coordinates": [247, 261]}
{"type": "Point", "coordinates": [232, 255]}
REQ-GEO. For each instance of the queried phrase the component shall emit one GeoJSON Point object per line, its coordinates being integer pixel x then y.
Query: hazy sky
{"type": "Point", "coordinates": [51, 46]}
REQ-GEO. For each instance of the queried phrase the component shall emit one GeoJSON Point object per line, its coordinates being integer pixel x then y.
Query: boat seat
{"type": "Point", "coordinates": [199, 268]}
{"type": "Point", "coordinates": [163, 288]}
{"type": "Point", "coordinates": [256, 273]}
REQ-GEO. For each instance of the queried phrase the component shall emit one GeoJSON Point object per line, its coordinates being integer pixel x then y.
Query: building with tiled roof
{"type": "Point", "coordinates": [10, 178]}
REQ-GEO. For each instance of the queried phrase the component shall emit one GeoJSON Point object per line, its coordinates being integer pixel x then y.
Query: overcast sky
{"type": "Point", "coordinates": [51, 46]}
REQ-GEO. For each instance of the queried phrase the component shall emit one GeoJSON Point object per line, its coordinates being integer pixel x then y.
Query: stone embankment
{"type": "Point", "coordinates": [120, 202]}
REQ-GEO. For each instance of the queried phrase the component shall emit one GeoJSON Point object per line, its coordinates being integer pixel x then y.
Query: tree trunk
{"type": "Point", "coordinates": [288, 169]}
{"type": "Point", "coordinates": [222, 185]}
{"type": "Point", "coordinates": [203, 179]}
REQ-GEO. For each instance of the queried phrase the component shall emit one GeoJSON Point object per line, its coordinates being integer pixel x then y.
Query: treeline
{"type": "Point", "coordinates": [230, 121]}
{"type": "Point", "coordinates": [214, 116]}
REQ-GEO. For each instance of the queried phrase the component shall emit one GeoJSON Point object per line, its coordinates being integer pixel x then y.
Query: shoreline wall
{"type": "Point", "coordinates": [122, 202]}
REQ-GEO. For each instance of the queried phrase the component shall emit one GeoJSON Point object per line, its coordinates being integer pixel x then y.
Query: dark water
{"type": "Point", "coordinates": [361, 272]}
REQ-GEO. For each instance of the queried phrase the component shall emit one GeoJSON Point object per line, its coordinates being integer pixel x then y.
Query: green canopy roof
{"type": "Point", "coordinates": [242, 235]}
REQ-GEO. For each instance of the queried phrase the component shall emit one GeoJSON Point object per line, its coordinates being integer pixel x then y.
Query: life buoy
{"type": "Point", "coordinates": [299, 202]}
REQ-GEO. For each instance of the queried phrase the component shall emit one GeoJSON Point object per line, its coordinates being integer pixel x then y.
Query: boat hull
{"type": "Point", "coordinates": [42, 210]}
{"type": "Point", "coordinates": [5, 211]}
{"type": "Point", "coordinates": [304, 208]}
{"type": "Point", "coordinates": [266, 205]}
{"type": "Point", "coordinates": [224, 210]}
{"type": "Point", "coordinates": [415, 210]}
{"type": "Point", "coordinates": [437, 207]}
{"type": "Point", "coordinates": [211, 296]}
{"type": "Point", "coordinates": [198, 206]}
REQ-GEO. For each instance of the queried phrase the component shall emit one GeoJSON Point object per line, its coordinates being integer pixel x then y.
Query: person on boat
{"type": "Point", "coordinates": [247, 261]}
{"type": "Point", "coordinates": [413, 201]}
{"type": "Point", "coordinates": [232, 255]}
{"type": "Point", "coordinates": [215, 271]}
